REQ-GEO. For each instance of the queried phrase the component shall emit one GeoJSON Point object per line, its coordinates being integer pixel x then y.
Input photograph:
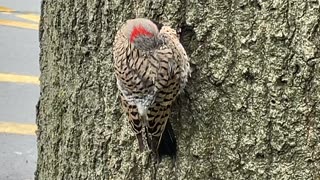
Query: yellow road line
{"type": "Point", "coordinates": [19, 24]}
{"type": "Point", "coordinates": [17, 128]}
{"type": "Point", "coordinates": [19, 78]}
{"type": "Point", "coordinates": [6, 9]}
{"type": "Point", "coordinates": [30, 17]}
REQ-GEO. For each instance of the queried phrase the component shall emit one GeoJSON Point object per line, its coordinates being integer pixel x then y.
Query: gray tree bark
{"type": "Point", "coordinates": [250, 111]}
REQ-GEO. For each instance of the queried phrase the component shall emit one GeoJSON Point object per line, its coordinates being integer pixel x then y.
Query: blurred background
{"type": "Point", "coordinates": [19, 87]}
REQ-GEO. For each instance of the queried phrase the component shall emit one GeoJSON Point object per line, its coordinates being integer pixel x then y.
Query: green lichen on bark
{"type": "Point", "coordinates": [250, 111]}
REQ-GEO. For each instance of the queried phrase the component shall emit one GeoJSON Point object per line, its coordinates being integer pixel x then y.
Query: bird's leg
{"type": "Point", "coordinates": [148, 137]}
{"type": "Point", "coordinates": [153, 142]}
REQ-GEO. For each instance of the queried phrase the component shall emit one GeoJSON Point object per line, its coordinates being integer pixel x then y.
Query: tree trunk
{"type": "Point", "coordinates": [250, 111]}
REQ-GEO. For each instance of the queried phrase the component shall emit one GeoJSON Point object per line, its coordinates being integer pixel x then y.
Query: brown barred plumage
{"type": "Point", "coordinates": [151, 68]}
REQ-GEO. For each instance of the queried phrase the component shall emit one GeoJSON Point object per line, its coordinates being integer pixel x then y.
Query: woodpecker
{"type": "Point", "coordinates": [151, 68]}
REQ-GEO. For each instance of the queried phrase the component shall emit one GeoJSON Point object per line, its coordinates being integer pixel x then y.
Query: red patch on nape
{"type": "Point", "coordinates": [138, 31]}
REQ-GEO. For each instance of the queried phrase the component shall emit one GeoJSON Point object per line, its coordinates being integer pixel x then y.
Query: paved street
{"type": "Point", "coordinates": [19, 87]}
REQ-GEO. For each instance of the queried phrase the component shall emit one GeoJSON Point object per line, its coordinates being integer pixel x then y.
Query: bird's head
{"type": "Point", "coordinates": [142, 33]}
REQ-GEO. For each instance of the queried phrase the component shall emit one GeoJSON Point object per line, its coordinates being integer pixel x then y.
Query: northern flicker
{"type": "Point", "coordinates": [151, 68]}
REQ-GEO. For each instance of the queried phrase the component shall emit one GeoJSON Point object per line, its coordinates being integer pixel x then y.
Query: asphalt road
{"type": "Point", "coordinates": [19, 87]}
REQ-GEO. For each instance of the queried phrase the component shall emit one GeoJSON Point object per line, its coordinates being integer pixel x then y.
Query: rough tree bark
{"type": "Point", "coordinates": [251, 109]}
